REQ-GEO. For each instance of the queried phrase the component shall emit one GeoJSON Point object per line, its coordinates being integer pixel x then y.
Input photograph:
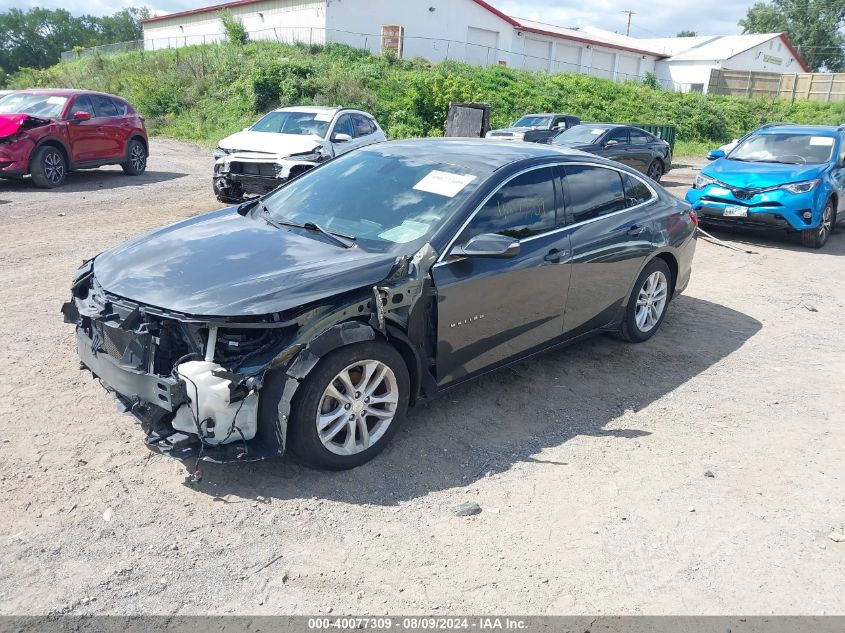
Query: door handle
{"type": "Point", "coordinates": [554, 256]}
{"type": "Point", "coordinates": [636, 230]}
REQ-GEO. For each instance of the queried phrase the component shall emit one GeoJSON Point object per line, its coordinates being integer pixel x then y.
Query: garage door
{"type": "Point", "coordinates": [481, 46]}
{"type": "Point", "coordinates": [602, 65]}
{"type": "Point", "coordinates": [628, 67]}
{"type": "Point", "coordinates": [537, 54]}
{"type": "Point", "coordinates": [567, 59]}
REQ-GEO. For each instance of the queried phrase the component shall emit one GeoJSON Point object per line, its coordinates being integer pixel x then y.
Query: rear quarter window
{"type": "Point", "coordinates": [636, 191]}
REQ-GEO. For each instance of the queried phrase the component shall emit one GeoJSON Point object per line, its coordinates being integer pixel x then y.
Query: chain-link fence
{"type": "Point", "coordinates": [430, 48]}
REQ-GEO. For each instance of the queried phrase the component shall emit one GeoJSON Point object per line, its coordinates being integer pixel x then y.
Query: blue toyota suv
{"type": "Point", "coordinates": [780, 176]}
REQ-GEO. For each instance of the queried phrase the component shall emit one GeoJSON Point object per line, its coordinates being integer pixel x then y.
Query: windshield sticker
{"type": "Point", "coordinates": [443, 183]}
{"type": "Point", "coordinates": [824, 141]}
{"type": "Point", "coordinates": [325, 118]}
{"type": "Point", "coordinates": [408, 231]}
{"type": "Point", "coordinates": [597, 131]}
{"type": "Point", "coordinates": [56, 100]}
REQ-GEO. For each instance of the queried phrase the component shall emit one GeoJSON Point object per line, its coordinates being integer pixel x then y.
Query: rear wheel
{"type": "Point", "coordinates": [349, 406]}
{"type": "Point", "coordinates": [48, 167]}
{"type": "Point", "coordinates": [655, 170]}
{"type": "Point", "coordinates": [137, 159]}
{"type": "Point", "coordinates": [647, 303]}
{"type": "Point", "coordinates": [816, 238]}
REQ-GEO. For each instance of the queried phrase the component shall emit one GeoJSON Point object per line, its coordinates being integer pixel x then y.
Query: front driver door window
{"type": "Point", "coordinates": [616, 145]}
{"type": "Point", "coordinates": [344, 126]}
{"type": "Point", "coordinates": [490, 310]}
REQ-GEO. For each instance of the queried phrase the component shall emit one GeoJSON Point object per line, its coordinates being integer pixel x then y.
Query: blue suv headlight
{"type": "Point", "coordinates": [804, 186]}
{"type": "Point", "coordinates": [702, 180]}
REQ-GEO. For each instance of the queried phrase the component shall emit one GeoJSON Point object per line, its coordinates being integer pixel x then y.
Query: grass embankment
{"type": "Point", "coordinates": [203, 93]}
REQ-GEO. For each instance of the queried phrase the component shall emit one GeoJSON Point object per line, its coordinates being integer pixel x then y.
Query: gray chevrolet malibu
{"type": "Point", "coordinates": [310, 319]}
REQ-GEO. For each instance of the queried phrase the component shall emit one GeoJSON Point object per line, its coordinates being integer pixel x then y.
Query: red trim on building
{"type": "Point", "coordinates": [585, 40]}
{"type": "Point", "coordinates": [795, 53]}
{"type": "Point", "coordinates": [213, 7]}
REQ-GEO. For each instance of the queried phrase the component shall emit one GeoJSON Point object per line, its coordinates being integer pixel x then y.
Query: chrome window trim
{"type": "Point", "coordinates": [442, 258]}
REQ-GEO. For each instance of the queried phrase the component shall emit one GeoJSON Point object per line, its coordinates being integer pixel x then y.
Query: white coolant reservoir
{"type": "Point", "coordinates": [209, 399]}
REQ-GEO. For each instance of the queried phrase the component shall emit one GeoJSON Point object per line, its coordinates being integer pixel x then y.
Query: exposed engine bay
{"type": "Point", "coordinates": [195, 384]}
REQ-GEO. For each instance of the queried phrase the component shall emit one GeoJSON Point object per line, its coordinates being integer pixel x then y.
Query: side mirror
{"type": "Point", "coordinates": [488, 245]}
{"type": "Point", "coordinates": [340, 137]}
{"type": "Point", "coordinates": [81, 116]}
{"type": "Point", "coordinates": [611, 143]}
{"type": "Point", "coordinates": [713, 154]}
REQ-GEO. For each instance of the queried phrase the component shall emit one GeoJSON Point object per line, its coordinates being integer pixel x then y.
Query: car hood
{"type": "Point", "coordinates": [757, 175]}
{"type": "Point", "coordinates": [11, 123]}
{"type": "Point", "coordinates": [271, 143]}
{"type": "Point", "coordinates": [222, 264]}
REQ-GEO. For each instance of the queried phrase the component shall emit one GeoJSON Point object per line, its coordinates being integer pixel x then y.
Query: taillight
{"type": "Point", "coordinates": [694, 217]}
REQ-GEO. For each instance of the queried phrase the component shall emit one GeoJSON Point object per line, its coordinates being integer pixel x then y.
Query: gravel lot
{"type": "Point", "coordinates": [592, 465]}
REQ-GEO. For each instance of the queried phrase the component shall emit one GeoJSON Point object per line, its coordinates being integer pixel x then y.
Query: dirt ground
{"type": "Point", "coordinates": [590, 464]}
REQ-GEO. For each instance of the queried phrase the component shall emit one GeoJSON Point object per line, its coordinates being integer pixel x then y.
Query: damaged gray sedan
{"type": "Point", "coordinates": [310, 319]}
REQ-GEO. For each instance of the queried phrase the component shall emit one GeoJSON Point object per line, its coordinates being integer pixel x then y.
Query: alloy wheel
{"type": "Point", "coordinates": [357, 407]}
{"type": "Point", "coordinates": [54, 167]}
{"type": "Point", "coordinates": [651, 301]}
{"type": "Point", "coordinates": [137, 158]}
{"type": "Point", "coordinates": [655, 171]}
{"type": "Point", "coordinates": [827, 223]}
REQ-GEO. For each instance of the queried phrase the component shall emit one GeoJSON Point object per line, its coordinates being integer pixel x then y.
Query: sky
{"type": "Point", "coordinates": [653, 18]}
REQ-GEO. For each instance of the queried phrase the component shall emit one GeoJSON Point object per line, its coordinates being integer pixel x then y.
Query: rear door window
{"type": "Point", "coordinates": [639, 137]}
{"type": "Point", "coordinates": [363, 126]}
{"type": "Point", "coordinates": [104, 106]}
{"type": "Point", "coordinates": [120, 106]}
{"type": "Point", "coordinates": [636, 191]}
{"type": "Point", "coordinates": [522, 208]}
{"type": "Point", "coordinates": [591, 192]}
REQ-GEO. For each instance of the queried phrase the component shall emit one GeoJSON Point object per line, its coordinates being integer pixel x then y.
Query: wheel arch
{"type": "Point", "coordinates": [672, 263]}
{"type": "Point", "coordinates": [140, 138]}
{"type": "Point", "coordinates": [52, 141]}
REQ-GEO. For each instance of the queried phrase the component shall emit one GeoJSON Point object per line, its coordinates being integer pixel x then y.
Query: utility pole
{"type": "Point", "coordinates": [630, 13]}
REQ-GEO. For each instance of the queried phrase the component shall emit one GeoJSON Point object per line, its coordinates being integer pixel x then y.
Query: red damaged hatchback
{"type": "Point", "coordinates": [46, 133]}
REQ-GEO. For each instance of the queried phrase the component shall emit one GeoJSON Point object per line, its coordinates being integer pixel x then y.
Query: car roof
{"type": "Point", "coordinates": [65, 92]}
{"type": "Point", "coordinates": [496, 153]}
{"type": "Point", "coordinates": [790, 128]}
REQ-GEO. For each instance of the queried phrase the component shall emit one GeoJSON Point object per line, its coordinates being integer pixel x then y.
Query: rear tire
{"type": "Point", "coordinates": [137, 159]}
{"type": "Point", "coordinates": [655, 170]}
{"type": "Point", "coordinates": [48, 167]}
{"type": "Point", "coordinates": [364, 415]}
{"type": "Point", "coordinates": [817, 237]}
{"type": "Point", "coordinates": [648, 302]}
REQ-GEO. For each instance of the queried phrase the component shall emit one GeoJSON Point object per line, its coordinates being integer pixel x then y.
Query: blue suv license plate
{"type": "Point", "coordinates": [735, 212]}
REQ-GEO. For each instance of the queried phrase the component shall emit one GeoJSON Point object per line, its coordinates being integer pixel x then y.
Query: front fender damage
{"type": "Point", "coordinates": [280, 351]}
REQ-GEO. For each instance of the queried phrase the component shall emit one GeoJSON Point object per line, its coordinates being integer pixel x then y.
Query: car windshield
{"type": "Point", "coordinates": [580, 134]}
{"type": "Point", "coordinates": [533, 120]}
{"type": "Point", "coordinates": [382, 195]}
{"type": "Point", "coordinates": [798, 148]}
{"type": "Point", "coordinates": [290, 122]}
{"type": "Point", "coordinates": [46, 106]}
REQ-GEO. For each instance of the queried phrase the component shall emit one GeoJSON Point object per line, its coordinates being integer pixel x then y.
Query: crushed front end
{"type": "Point", "coordinates": [242, 175]}
{"type": "Point", "coordinates": [192, 384]}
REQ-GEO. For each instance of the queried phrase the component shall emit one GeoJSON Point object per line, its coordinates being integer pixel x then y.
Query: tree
{"type": "Point", "coordinates": [37, 38]}
{"type": "Point", "coordinates": [235, 30]}
{"type": "Point", "coordinates": [814, 26]}
{"type": "Point", "coordinates": [687, 34]}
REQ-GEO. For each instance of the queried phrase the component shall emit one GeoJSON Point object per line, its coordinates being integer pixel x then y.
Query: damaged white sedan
{"type": "Point", "coordinates": [285, 143]}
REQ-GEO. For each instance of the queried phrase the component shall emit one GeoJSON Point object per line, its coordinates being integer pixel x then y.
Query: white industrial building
{"type": "Point", "coordinates": [465, 30]}
{"type": "Point", "coordinates": [475, 32]}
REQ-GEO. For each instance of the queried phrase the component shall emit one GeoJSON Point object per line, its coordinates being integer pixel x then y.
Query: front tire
{"type": "Point", "coordinates": [816, 238]}
{"type": "Point", "coordinates": [349, 406]}
{"type": "Point", "coordinates": [136, 163]}
{"type": "Point", "coordinates": [648, 302]}
{"type": "Point", "coordinates": [48, 167]}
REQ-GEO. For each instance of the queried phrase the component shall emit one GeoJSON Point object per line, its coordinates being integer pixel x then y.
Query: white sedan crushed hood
{"type": "Point", "coordinates": [271, 143]}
